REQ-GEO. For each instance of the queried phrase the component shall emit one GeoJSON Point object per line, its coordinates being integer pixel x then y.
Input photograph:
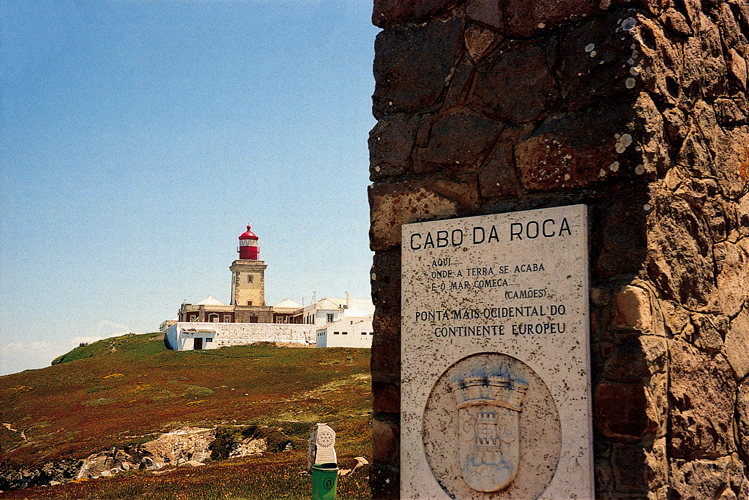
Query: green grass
{"type": "Point", "coordinates": [130, 389]}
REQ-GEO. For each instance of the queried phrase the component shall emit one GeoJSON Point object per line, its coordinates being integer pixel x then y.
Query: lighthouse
{"type": "Point", "coordinates": [248, 276]}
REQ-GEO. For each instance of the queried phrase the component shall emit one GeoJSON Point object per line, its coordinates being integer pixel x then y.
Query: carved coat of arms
{"type": "Point", "coordinates": [488, 421]}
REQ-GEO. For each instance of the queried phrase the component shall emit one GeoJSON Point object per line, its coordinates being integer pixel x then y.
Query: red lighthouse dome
{"type": "Point", "coordinates": [248, 245]}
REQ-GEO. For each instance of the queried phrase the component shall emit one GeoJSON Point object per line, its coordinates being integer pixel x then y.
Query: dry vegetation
{"type": "Point", "coordinates": [127, 390]}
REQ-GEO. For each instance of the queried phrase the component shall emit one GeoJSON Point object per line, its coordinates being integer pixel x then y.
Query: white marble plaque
{"type": "Point", "coordinates": [495, 384]}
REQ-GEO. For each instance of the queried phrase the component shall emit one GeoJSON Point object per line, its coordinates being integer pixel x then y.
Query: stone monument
{"type": "Point", "coordinates": [638, 110]}
{"type": "Point", "coordinates": [321, 446]}
{"type": "Point", "coordinates": [495, 357]}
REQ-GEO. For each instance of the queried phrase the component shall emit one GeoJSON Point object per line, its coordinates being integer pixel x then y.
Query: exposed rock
{"type": "Point", "coordinates": [736, 346]}
{"type": "Point", "coordinates": [742, 412]}
{"type": "Point", "coordinates": [701, 393]}
{"type": "Point", "coordinates": [732, 266]}
{"type": "Point", "coordinates": [247, 447]}
{"type": "Point", "coordinates": [705, 72]}
{"type": "Point", "coordinates": [180, 446]}
{"type": "Point", "coordinates": [722, 478]}
{"type": "Point", "coordinates": [680, 266]}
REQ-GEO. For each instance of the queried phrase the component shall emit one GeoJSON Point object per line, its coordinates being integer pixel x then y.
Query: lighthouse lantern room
{"type": "Point", "coordinates": [248, 245]}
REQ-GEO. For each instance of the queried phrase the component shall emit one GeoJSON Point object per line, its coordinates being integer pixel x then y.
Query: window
{"type": "Point", "coordinates": [330, 318]}
{"type": "Point", "coordinates": [363, 333]}
{"type": "Point", "coordinates": [344, 333]}
{"type": "Point", "coordinates": [208, 339]}
{"type": "Point", "coordinates": [371, 333]}
{"type": "Point", "coordinates": [227, 318]}
{"type": "Point", "coordinates": [249, 302]}
{"type": "Point", "coordinates": [249, 278]}
{"type": "Point", "coordinates": [335, 333]}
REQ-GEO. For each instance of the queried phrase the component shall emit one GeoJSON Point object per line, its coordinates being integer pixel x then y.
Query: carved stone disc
{"type": "Point", "coordinates": [491, 430]}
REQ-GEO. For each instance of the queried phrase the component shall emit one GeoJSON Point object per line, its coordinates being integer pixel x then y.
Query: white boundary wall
{"type": "Point", "coordinates": [181, 336]}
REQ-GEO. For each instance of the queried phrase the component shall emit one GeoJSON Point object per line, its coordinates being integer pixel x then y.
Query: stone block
{"type": "Point", "coordinates": [386, 396]}
{"type": "Point", "coordinates": [640, 469]}
{"type": "Point", "coordinates": [633, 309]}
{"type": "Point", "coordinates": [386, 441]}
{"type": "Point", "coordinates": [388, 12]}
{"type": "Point", "coordinates": [387, 326]}
{"type": "Point", "coordinates": [384, 482]}
{"type": "Point", "coordinates": [563, 153]}
{"type": "Point", "coordinates": [514, 69]}
{"type": "Point", "coordinates": [395, 204]}
{"type": "Point", "coordinates": [659, 59]}
{"type": "Point", "coordinates": [413, 64]}
{"type": "Point", "coordinates": [621, 238]}
{"type": "Point", "coordinates": [635, 358]}
{"type": "Point", "coordinates": [390, 144]}
{"type": "Point", "coordinates": [486, 11]}
{"type": "Point", "coordinates": [701, 395]}
{"type": "Point", "coordinates": [385, 361]}
{"type": "Point", "coordinates": [459, 139]}
{"type": "Point", "coordinates": [497, 175]}
{"type": "Point", "coordinates": [385, 281]}
{"type": "Point", "coordinates": [624, 412]}
{"type": "Point", "coordinates": [706, 336]}
{"type": "Point", "coordinates": [705, 71]}
{"type": "Point", "coordinates": [526, 18]}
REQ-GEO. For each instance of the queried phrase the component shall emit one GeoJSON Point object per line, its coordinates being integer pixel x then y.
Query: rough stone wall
{"type": "Point", "coordinates": [639, 110]}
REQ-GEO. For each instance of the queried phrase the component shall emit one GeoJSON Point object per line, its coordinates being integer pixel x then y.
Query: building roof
{"type": "Point", "coordinates": [210, 301]}
{"type": "Point", "coordinates": [287, 303]}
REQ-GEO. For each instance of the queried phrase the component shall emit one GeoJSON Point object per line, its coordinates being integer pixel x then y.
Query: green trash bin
{"type": "Point", "coordinates": [324, 481]}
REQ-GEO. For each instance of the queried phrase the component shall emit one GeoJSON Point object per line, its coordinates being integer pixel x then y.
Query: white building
{"type": "Point", "coordinates": [348, 331]}
{"type": "Point", "coordinates": [330, 309]}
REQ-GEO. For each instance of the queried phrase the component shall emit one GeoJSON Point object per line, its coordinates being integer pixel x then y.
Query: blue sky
{"type": "Point", "coordinates": [139, 137]}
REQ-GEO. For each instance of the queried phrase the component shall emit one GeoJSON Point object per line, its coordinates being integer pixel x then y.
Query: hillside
{"type": "Point", "coordinates": [128, 390]}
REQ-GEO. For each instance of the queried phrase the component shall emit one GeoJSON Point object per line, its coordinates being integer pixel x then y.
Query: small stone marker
{"type": "Point", "coordinates": [495, 383]}
{"type": "Point", "coordinates": [321, 446]}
